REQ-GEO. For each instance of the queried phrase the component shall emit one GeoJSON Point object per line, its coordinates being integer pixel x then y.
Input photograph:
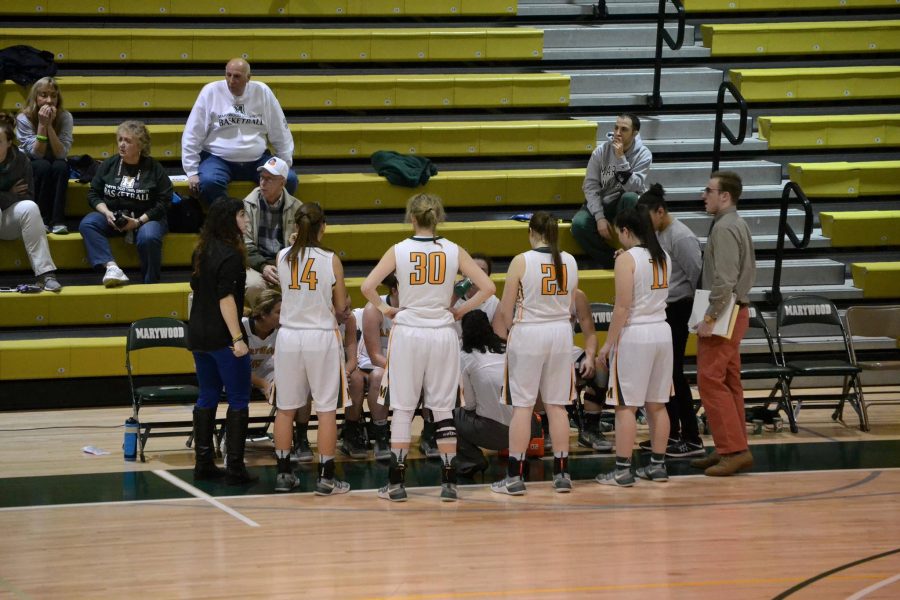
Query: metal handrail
{"type": "Point", "coordinates": [654, 100]}
{"type": "Point", "coordinates": [721, 127]}
{"type": "Point", "coordinates": [774, 295]}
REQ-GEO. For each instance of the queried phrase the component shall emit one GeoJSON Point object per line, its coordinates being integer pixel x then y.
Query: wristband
{"type": "Point", "coordinates": [238, 338]}
{"type": "Point", "coordinates": [41, 138]}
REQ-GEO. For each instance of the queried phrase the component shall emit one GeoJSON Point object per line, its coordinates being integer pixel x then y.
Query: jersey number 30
{"type": "Point", "coordinates": [308, 276]}
{"type": "Point", "coordinates": [428, 268]}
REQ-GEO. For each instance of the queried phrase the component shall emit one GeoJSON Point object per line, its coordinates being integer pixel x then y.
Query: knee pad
{"type": "Point", "coordinates": [444, 429]}
{"type": "Point", "coordinates": [400, 423]}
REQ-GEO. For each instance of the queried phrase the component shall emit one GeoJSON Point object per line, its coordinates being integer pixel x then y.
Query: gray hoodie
{"type": "Point", "coordinates": [608, 177]}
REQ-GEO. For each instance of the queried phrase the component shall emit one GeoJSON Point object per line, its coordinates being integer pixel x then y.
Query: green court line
{"type": "Point", "coordinates": [362, 475]}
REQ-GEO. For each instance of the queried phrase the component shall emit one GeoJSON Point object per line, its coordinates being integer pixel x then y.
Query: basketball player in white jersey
{"type": "Point", "coordinates": [262, 331]}
{"type": "Point", "coordinates": [309, 358]}
{"type": "Point", "coordinates": [638, 348]}
{"type": "Point", "coordinates": [535, 309]}
{"type": "Point", "coordinates": [353, 440]}
{"type": "Point", "coordinates": [423, 351]}
{"type": "Point", "coordinates": [376, 328]}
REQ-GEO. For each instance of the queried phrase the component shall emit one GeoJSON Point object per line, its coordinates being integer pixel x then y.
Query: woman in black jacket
{"type": "Point", "coordinates": [218, 341]}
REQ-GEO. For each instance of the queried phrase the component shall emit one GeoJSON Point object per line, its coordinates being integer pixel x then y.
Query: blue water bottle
{"type": "Point", "coordinates": [132, 430]}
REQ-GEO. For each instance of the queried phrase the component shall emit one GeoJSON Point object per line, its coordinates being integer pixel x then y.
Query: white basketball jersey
{"type": "Point", "coordinates": [541, 298]}
{"type": "Point", "coordinates": [262, 352]}
{"type": "Point", "coordinates": [306, 290]}
{"type": "Point", "coordinates": [426, 272]}
{"type": "Point", "coordinates": [651, 288]}
{"type": "Point", "coordinates": [362, 352]}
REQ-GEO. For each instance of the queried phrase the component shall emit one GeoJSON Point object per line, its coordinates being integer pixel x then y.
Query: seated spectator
{"type": "Point", "coordinates": [272, 212]}
{"type": "Point", "coordinates": [19, 215]}
{"type": "Point", "coordinates": [228, 130]}
{"type": "Point", "coordinates": [484, 420]}
{"type": "Point", "coordinates": [44, 130]}
{"type": "Point", "coordinates": [617, 166]}
{"type": "Point", "coordinates": [129, 195]}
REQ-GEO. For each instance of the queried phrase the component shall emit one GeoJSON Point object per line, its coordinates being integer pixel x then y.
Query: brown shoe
{"type": "Point", "coordinates": [731, 464]}
{"type": "Point", "coordinates": [707, 461]}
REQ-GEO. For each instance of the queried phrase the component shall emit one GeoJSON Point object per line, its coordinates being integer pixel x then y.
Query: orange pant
{"type": "Point", "coordinates": [721, 392]}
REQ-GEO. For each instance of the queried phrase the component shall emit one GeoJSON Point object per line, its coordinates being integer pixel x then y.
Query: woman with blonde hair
{"type": "Point", "coordinates": [129, 195]}
{"type": "Point", "coordinates": [44, 130]}
{"type": "Point", "coordinates": [423, 351]}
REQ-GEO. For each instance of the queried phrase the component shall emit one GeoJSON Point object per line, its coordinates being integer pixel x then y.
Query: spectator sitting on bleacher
{"type": "Point", "coordinates": [227, 133]}
{"type": "Point", "coordinates": [129, 195]}
{"type": "Point", "coordinates": [19, 215]}
{"type": "Point", "coordinates": [272, 211]}
{"type": "Point", "coordinates": [617, 166]}
{"type": "Point", "coordinates": [44, 130]}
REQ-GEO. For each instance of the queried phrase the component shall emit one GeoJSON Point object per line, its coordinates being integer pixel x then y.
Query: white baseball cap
{"type": "Point", "coordinates": [275, 166]}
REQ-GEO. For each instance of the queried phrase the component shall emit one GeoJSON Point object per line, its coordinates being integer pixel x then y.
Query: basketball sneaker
{"type": "Point", "coordinates": [682, 449]}
{"type": "Point", "coordinates": [331, 487]}
{"type": "Point", "coordinates": [449, 493]}
{"type": "Point", "coordinates": [653, 472]}
{"type": "Point", "coordinates": [285, 482]}
{"type": "Point", "coordinates": [382, 442]}
{"type": "Point", "coordinates": [395, 492]}
{"type": "Point", "coordinates": [562, 483]}
{"type": "Point", "coordinates": [616, 477]}
{"type": "Point", "coordinates": [513, 486]}
{"type": "Point", "coordinates": [302, 451]}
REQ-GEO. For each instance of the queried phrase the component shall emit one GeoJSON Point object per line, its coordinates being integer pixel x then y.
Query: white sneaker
{"type": "Point", "coordinates": [114, 276]}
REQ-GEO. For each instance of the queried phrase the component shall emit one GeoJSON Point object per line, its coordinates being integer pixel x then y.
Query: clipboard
{"type": "Point", "coordinates": [724, 325]}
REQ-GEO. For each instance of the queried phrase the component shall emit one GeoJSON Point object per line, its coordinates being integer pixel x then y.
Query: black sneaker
{"type": "Point", "coordinates": [647, 446]}
{"type": "Point", "coordinates": [352, 443]}
{"type": "Point", "coordinates": [382, 439]}
{"type": "Point", "coordinates": [429, 447]}
{"type": "Point", "coordinates": [682, 449]}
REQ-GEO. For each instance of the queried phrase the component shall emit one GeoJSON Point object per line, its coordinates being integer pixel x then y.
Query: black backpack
{"type": "Point", "coordinates": [25, 65]}
{"type": "Point", "coordinates": [185, 215]}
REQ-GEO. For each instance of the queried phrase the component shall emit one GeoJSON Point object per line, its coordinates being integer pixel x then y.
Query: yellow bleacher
{"type": "Point", "coordinates": [865, 228]}
{"type": "Point", "coordinates": [802, 38]}
{"type": "Point", "coordinates": [817, 83]}
{"type": "Point", "coordinates": [272, 8]}
{"type": "Point", "coordinates": [369, 191]}
{"type": "Point", "coordinates": [877, 279]}
{"type": "Point", "coordinates": [297, 92]}
{"type": "Point", "coordinates": [96, 305]}
{"type": "Point", "coordinates": [277, 45]}
{"type": "Point", "coordinates": [361, 140]}
{"type": "Point", "coordinates": [847, 179]}
{"type": "Point", "coordinates": [363, 242]}
{"type": "Point", "coordinates": [781, 5]}
{"type": "Point", "coordinates": [830, 131]}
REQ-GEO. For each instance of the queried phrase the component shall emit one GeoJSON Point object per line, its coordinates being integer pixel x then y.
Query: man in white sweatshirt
{"type": "Point", "coordinates": [227, 133]}
{"type": "Point", "coordinates": [617, 166]}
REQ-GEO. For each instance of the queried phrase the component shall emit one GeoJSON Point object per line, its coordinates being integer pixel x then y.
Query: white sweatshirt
{"type": "Point", "coordinates": [235, 128]}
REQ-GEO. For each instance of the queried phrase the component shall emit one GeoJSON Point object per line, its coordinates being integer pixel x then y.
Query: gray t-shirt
{"type": "Point", "coordinates": [684, 248]}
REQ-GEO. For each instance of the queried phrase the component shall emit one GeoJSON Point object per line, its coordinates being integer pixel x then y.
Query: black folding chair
{"type": "Point", "coordinates": [805, 319]}
{"type": "Point", "coordinates": [144, 335]}
{"type": "Point", "coordinates": [771, 368]}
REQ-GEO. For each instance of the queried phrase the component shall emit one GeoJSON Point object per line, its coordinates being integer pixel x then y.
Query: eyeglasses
{"type": "Point", "coordinates": [709, 190]}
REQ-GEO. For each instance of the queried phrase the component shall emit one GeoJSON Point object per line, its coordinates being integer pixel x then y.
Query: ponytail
{"type": "Point", "coordinates": [545, 225]}
{"type": "Point", "coordinates": [309, 220]}
{"type": "Point", "coordinates": [637, 220]}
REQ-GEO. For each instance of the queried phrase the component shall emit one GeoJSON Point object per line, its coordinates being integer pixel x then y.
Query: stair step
{"type": "Point", "coordinates": [569, 8]}
{"type": "Point", "coordinates": [680, 79]}
{"type": "Point", "coordinates": [696, 174]}
{"type": "Point", "coordinates": [802, 272]}
{"type": "Point", "coordinates": [611, 36]}
{"type": "Point", "coordinates": [761, 221]}
{"type": "Point", "coordinates": [623, 53]}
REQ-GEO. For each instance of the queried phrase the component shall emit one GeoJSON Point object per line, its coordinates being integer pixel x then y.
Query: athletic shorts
{"type": "Point", "coordinates": [640, 368]}
{"type": "Point", "coordinates": [422, 359]}
{"type": "Point", "coordinates": [310, 362]}
{"type": "Point", "coordinates": [539, 360]}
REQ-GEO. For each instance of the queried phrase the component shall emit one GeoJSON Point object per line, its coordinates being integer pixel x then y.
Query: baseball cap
{"type": "Point", "coordinates": [275, 166]}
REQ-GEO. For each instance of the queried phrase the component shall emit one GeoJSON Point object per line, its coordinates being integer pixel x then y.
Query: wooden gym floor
{"type": "Point", "coordinates": [818, 517]}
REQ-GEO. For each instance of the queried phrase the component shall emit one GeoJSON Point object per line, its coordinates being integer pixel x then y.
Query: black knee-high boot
{"type": "Point", "coordinates": [235, 436]}
{"type": "Point", "coordinates": [204, 427]}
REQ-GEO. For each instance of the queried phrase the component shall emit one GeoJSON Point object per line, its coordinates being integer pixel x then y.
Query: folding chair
{"type": "Point", "coordinates": [770, 368]}
{"type": "Point", "coordinates": [144, 334]}
{"type": "Point", "coordinates": [803, 319]}
{"type": "Point", "coordinates": [875, 322]}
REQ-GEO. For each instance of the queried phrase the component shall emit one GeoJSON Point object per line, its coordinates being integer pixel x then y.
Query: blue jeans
{"type": "Point", "coordinates": [96, 231]}
{"type": "Point", "coordinates": [216, 173]}
{"type": "Point", "coordinates": [218, 369]}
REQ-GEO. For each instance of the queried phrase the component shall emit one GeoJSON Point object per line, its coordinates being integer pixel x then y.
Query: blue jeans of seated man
{"type": "Point", "coordinates": [216, 173]}
{"type": "Point", "coordinates": [96, 231]}
{"type": "Point", "coordinates": [221, 369]}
